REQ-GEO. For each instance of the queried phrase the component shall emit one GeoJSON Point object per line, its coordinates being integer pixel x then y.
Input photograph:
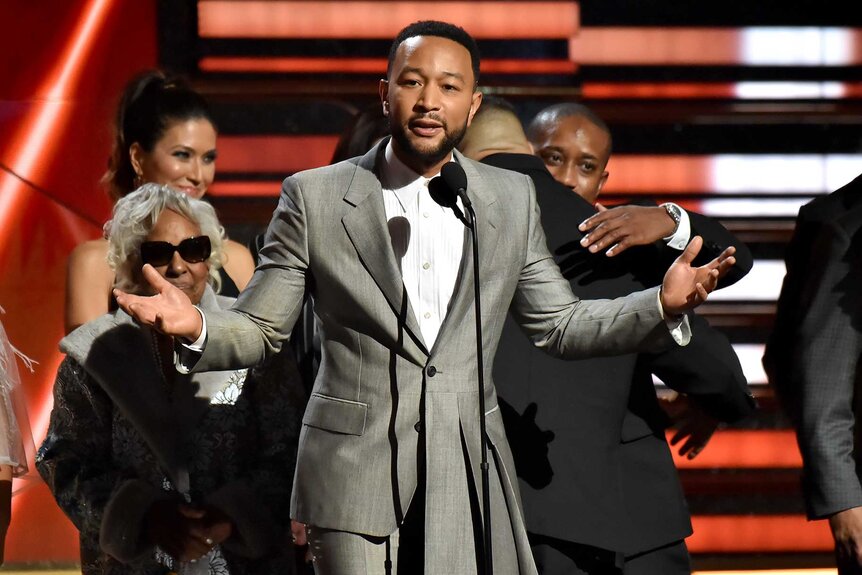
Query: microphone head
{"type": "Point", "coordinates": [454, 176]}
{"type": "Point", "coordinates": [442, 193]}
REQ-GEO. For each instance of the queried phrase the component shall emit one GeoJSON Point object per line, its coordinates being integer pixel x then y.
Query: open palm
{"type": "Point", "coordinates": [686, 287]}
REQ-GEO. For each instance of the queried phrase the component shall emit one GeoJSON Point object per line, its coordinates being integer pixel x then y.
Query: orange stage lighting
{"type": "Point", "coordinates": [348, 19]}
{"type": "Point", "coordinates": [656, 175]}
{"type": "Point", "coordinates": [743, 449]}
{"type": "Point", "coordinates": [717, 46]}
{"type": "Point", "coordinates": [366, 65]}
{"type": "Point", "coordinates": [758, 534]}
{"type": "Point", "coordinates": [274, 154]}
{"type": "Point", "coordinates": [721, 91]}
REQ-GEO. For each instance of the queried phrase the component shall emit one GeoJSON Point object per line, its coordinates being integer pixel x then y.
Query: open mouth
{"type": "Point", "coordinates": [426, 128]}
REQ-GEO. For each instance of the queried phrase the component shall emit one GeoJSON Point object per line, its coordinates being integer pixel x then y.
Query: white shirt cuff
{"type": "Point", "coordinates": [679, 327]}
{"type": "Point", "coordinates": [680, 238]}
{"type": "Point", "coordinates": [194, 349]}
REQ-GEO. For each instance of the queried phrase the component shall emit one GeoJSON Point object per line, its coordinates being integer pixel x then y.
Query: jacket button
{"type": "Point", "coordinates": [418, 426]}
{"type": "Point", "coordinates": [431, 371]}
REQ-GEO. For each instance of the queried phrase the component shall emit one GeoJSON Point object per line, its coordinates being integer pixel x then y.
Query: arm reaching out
{"type": "Point", "coordinates": [169, 311]}
{"type": "Point", "coordinates": [686, 287]}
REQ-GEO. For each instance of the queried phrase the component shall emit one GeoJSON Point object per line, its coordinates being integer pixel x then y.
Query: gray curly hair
{"type": "Point", "coordinates": [134, 217]}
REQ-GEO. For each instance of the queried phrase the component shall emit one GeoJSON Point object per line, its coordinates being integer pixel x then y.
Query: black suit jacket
{"type": "Point", "coordinates": [797, 290]}
{"type": "Point", "coordinates": [608, 479]}
{"type": "Point", "coordinates": [813, 356]}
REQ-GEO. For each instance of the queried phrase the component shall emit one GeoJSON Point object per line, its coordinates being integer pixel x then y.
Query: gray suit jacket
{"type": "Point", "coordinates": [829, 351]}
{"type": "Point", "coordinates": [385, 407]}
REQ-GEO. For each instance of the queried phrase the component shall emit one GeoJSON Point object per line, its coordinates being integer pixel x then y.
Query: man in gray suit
{"type": "Point", "coordinates": [388, 463]}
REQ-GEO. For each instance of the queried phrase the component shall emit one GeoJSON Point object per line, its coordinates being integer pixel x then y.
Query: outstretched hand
{"type": "Point", "coordinates": [169, 311]}
{"type": "Point", "coordinates": [686, 287]}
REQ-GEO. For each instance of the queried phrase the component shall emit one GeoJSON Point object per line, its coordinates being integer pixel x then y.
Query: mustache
{"type": "Point", "coordinates": [429, 116]}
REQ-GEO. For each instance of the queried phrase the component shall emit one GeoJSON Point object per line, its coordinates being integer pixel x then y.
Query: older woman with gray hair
{"type": "Point", "coordinates": [163, 472]}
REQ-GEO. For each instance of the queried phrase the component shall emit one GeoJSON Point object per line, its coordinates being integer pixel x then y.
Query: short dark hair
{"type": "Point", "coordinates": [150, 103]}
{"type": "Point", "coordinates": [441, 30]}
{"type": "Point", "coordinates": [556, 112]}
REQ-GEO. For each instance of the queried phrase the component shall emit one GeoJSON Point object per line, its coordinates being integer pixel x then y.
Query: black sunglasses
{"type": "Point", "coordinates": [192, 250]}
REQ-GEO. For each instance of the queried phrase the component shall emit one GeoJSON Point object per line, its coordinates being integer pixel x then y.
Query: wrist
{"type": "Point", "coordinates": [670, 313]}
{"type": "Point", "coordinates": [674, 216]}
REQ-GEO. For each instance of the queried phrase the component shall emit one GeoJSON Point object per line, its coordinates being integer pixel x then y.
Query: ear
{"type": "Point", "coordinates": [603, 179]}
{"type": "Point", "coordinates": [474, 106]}
{"type": "Point", "coordinates": [136, 154]}
{"type": "Point", "coordinates": [383, 91]}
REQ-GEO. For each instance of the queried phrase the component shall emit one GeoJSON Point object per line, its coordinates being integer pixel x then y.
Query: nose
{"type": "Point", "coordinates": [429, 98]}
{"type": "Point", "coordinates": [568, 178]}
{"type": "Point", "coordinates": [177, 266]}
{"type": "Point", "coordinates": [195, 174]}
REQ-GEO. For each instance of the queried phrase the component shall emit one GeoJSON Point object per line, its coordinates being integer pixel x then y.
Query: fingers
{"type": "Point", "coordinates": [297, 530]}
{"type": "Point", "coordinates": [191, 512]}
{"type": "Point", "coordinates": [595, 220]}
{"type": "Point", "coordinates": [691, 250]}
{"type": "Point", "coordinates": [601, 207]}
{"type": "Point", "coordinates": [155, 279]}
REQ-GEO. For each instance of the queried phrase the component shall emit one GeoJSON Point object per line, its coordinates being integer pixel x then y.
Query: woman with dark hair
{"type": "Point", "coordinates": [366, 128]}
{"type": "Point", "coordinates": [165, 134]}
{"type": "Point", "coordinates": [162, 472]}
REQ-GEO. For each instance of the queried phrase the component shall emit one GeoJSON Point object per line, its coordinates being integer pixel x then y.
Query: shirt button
{"type": "Point", "coordinates": [426, 215]}
{"type": "Point", "coordinates": [431, 371]}
{"type": "Point", "coordinates": [418, 426]}
{"type": "Point", "coordinates": [427, 315]}
{"type": "Point", "coordinates": [426, 265]}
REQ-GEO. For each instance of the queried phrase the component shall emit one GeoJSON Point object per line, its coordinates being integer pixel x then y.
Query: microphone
{"type": "Point", "coordinates": [446, 196]}
{"type": "Point", "coordinates": [454, 176]}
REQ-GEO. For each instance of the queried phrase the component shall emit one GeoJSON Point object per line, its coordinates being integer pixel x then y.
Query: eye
{"type": "Point", "coordinates": [210, 157]}
{"type": "Point", "coordinates": [552, 158]}
{"type": "Point", "coordinates": [181, 154]}
{"type": "Point", "coordinates": [409, 82]}
{"type": "Point", "coordinates": [588, 167]}
{"type": "Point", "coordinates": [450, 88]}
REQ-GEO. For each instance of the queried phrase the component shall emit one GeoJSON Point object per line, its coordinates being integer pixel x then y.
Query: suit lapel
{"type": "Point", "coordinates": [487, 225]}
{"type": "Point", "coordinates": [366, 226]}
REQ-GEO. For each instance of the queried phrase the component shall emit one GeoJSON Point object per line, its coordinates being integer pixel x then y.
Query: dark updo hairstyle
{"type": "Point", "coordinates": [149, 104]}
{"type": "Point", "coordinates": [364, 130]}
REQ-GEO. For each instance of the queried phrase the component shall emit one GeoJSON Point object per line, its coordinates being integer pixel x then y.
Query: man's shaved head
{"type": "Point", "coordinates": [495, 129]}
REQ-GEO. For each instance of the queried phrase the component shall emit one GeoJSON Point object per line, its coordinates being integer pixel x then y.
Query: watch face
{"type": "Point", "coordinates": [673, 212]}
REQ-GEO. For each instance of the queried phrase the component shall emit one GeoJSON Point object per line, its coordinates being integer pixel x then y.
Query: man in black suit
{"type": "Point", "coordinates": [813, 360]}
{"type": "Point", "coordinates": [600, 491]}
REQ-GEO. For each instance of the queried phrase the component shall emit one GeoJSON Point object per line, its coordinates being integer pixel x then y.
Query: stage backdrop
{"type": "Point", "coordinates": [63, 64]}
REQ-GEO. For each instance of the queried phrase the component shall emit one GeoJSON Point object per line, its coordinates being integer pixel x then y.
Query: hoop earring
{"type": "Point", "coordinates": [138, 181]}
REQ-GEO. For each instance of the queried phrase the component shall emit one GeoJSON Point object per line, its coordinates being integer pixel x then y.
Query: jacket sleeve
{"type": "Point", "coordinates": [560, 323]}
{"type": "Point", "coordinates": [827, 365]}
{"type": "Point", "coordinates": [76, 462]}
{"type": "Point", "coordinates": [258, 503]}
{"type": "Point", "coordinates": [716, 238]}
{"type": "Point", "coordinates": [707, 370]}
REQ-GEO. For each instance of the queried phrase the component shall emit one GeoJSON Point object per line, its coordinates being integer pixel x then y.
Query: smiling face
{"type": "Point", "coordinates": [183, 158]}
{"type": "Point", "coordinates": [192, 278]}
{"type": "Point", "coordinates": [430, 100]}
{"type": "Point", "coordinates": [576, 152]}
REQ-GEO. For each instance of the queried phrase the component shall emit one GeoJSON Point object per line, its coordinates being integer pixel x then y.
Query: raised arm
{"type": "Point", "coordinates": [557, 321]}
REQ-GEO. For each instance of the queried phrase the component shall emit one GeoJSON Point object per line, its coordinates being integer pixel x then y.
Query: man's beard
{"type": "Point", "coordinates": [428, 157]}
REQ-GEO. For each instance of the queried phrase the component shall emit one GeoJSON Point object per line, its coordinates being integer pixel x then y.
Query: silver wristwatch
{"type": "Point", "coordinates": [675, 213]}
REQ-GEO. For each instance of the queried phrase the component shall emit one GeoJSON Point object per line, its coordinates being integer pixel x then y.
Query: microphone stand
{"type": "Point", "coordinates": [441, 189]}
{"type": "Point", "coordinates": [486, 496]}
